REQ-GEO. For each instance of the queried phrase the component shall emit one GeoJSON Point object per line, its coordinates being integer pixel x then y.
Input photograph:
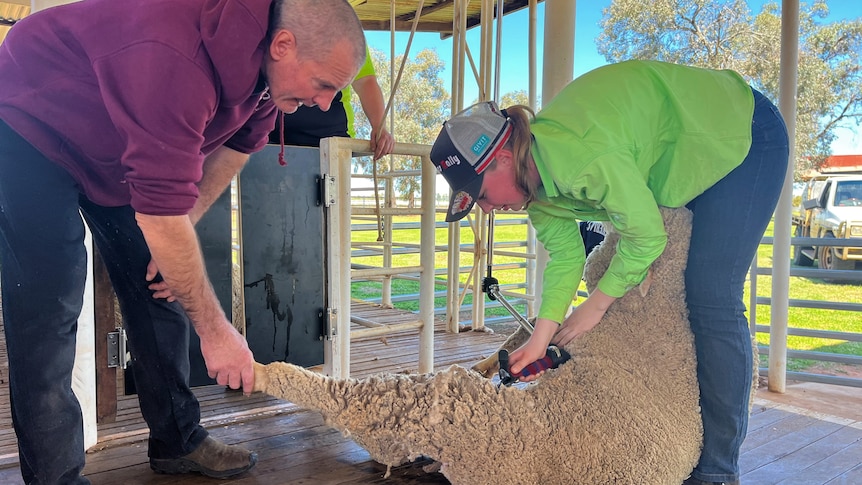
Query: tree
{"type": "Point", "coordinates": [724, 35]}
{"type": "Point", "coordinates": [421, 105]}
{"type": "Point", "coordinates": [517, 97]}
{"type": "Point", "coordinates": [511, 98]}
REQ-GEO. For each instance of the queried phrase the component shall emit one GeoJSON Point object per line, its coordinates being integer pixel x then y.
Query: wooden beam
{"type": "Point", "coordinates": [441, 27]}
{"type": "Point", "coordinates": [105, 321]}
{"type": "Point", "coordinates": [408, 17]}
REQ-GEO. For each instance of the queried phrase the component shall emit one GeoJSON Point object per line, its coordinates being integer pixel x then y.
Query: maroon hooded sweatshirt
{"type": "Point", "coordinates": [129, 96]}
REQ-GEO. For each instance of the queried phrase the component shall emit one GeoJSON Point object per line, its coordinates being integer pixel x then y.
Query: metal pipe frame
{"type": "Point", "coordinates": [336, 156]}
{"type": "Point", "coordinates": [781, 250]}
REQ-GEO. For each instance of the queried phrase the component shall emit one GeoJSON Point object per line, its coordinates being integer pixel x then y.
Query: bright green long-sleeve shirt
{"type": "Point", "coordinates": [617, 143]}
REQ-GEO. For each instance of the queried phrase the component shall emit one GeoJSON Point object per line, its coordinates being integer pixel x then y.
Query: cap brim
{"type": "Point", "coordinates": [462, 200]}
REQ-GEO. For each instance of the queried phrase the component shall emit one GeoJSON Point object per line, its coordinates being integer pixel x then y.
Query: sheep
{"type": "Point", "coordinates": [624, 409]}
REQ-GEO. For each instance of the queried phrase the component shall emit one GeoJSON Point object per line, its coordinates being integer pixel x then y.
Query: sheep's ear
{"type": "Point", "coordinates": [643, 288]}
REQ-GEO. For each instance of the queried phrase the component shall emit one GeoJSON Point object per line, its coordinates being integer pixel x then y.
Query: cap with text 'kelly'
{"type": "Point", "coordinates": [463, 150]}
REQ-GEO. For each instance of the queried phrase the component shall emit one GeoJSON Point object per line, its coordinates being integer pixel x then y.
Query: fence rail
{"type": "Point", "coordinates": [361, 251]}
{"type": "Point", "coordinates": [804, 272]}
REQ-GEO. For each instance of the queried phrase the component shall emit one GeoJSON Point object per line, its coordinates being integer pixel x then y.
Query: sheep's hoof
{"type": "Point", "coordinates": [261, 379]}
{"type": "Point", "coordinates": [487, 367]}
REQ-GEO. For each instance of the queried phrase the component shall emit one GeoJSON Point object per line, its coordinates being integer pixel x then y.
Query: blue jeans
{"type": "Point", "coordinates": [43, 273]}
{"type": "Point", "coordinates": [729, 221]}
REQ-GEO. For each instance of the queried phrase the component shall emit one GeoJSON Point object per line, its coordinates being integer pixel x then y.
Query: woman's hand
{"type": "Point", "coordinates": [584, 317]}
{"type": "Point", "coordinates": [534, 348]}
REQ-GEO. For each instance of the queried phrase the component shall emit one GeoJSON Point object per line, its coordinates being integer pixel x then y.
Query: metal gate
{"type": "Point", "coordinates": [282, 242]}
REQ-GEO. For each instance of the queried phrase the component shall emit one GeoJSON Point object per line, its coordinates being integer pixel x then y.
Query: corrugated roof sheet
{"type": "Point", "coordinates": [12, 11]}
{"type": "Point", "coordinates": [436, 15]}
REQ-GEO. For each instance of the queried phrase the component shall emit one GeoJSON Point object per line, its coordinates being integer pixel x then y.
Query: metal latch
{"type": "Point", "coordinates": [327, 190]}
{"type": "Point", "coordinates": [117, 354]}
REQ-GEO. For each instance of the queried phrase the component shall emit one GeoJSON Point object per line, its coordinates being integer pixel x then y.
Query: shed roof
{"type": "Point", "coordinates": [436, 15]}
{"type": "Point", "coordinates": [12, 11]}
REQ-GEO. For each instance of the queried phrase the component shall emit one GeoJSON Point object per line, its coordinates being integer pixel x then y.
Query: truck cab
{"type": "Point", "coordinates": [830, 208]}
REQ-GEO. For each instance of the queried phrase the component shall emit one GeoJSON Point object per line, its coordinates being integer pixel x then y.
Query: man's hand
{"type": "Point", "coordinates": [159, 288]}
{"type": "Point", "coordinates": [228, 358]}
{"type": "Point", "coordinates": [382, 142]}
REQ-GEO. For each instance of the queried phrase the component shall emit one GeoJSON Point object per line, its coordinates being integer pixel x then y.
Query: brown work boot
{"type": "Point", "coordinates": [212, 458]}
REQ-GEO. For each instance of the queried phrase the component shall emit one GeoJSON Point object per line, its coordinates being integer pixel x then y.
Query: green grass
{"type": "Point", "coordinates": [800, 288]}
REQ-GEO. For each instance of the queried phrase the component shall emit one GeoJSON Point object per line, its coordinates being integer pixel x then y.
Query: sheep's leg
{"type": "Point", "coordinates": [488, 366]}
{"type": "Point", "coordinates": [299, 386]}
{"type": "Point", "coordinates": [261, 378]}
{"type": "Point", "coordinates": [394, 417]}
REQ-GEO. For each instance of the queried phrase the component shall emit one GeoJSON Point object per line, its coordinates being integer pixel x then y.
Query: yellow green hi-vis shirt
{"type": "Point", "coordinates": [617, 143]}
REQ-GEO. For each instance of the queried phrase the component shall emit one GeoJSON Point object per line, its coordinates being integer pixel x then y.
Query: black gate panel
{"type": "Point", "coordinates": [282, 233]}
{"type": "Point", "coordinates": [282, 242]}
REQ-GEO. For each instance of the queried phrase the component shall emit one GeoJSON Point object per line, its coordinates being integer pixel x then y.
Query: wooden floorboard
{"type": "Point", "coordinates": [791, 445]}
{"type": "Point", "coordinates": [786, 444]}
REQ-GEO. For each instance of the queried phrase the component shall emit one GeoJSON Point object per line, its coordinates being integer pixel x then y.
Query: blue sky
{"type": "Point", "coordinates": [513, 74]}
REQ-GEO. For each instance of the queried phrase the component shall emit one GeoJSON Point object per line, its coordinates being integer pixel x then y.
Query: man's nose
{"type": "Point", "coordinates": [324, 101]}
{"type": "Point", "coordinates": [485, 206]}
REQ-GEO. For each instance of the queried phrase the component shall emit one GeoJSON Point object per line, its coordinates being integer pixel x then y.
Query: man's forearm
{"type": "Point", "coordinates": [371, 98]}
{"type": "Point", "coordinates": [174, 247]}
{"type": "Point", "coordinates": [219, 168]}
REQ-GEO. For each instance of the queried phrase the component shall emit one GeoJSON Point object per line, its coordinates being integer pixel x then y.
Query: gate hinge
{"type": "Point", "coordinates": [117, 353]}
{"type": "Point", "coordinates": [326, 190]}
{"type": "Point", "coordinates": [327, 323]}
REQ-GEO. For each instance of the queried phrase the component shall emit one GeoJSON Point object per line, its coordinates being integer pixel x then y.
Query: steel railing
{"type": "Point", "coordinates": [806, 272]}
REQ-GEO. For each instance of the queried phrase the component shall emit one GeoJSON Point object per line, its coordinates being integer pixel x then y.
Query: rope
{"type": "Point", "coordinates": [386, 113]}
{"type": "Point", "coordinates": [377, 200]}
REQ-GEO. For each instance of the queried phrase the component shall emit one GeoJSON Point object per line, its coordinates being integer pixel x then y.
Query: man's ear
{"type": "Point", "coordinates": [283, 44]}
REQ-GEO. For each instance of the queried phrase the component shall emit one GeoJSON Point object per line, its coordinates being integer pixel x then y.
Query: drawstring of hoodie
{"type": "Point", "coordinates": [281, 138]}
{"type": "Point", "coordinates": [279, 124]}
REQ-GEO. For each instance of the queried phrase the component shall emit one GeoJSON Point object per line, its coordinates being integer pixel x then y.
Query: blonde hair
{"type": "Point", "coordinates": [519, 143]}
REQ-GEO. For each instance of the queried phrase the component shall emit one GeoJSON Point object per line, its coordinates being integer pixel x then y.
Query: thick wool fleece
{"type": "Point", "coordinates": [623, 410]}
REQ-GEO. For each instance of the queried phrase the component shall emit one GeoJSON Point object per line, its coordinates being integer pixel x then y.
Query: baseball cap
{"type": "Point", "coordinates": [466, 145]}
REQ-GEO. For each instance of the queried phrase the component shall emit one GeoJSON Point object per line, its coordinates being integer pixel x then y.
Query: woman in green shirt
{"type": "Point", "coordinates": [614, 145]}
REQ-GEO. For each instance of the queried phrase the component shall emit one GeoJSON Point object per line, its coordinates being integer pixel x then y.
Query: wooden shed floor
{"type": "Point", "coordinates": [811, 435]}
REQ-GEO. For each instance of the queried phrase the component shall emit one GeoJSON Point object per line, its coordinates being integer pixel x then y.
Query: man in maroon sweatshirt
{"type": "Point", "coordinates": [136, 114]}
